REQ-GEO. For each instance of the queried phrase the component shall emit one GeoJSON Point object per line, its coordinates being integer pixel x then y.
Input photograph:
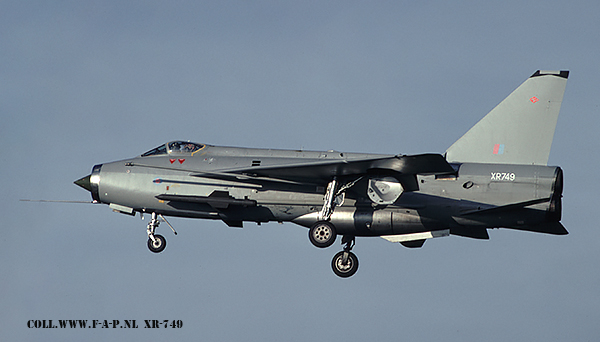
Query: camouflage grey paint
{"type": "Point", "coordinates": [520, 129]}
{"type": "Point", "coordinates": [462, 198]}
{"type": "Point", "coordinates": [494, 176]}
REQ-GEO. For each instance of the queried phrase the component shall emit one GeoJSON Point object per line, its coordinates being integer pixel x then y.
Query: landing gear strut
{"type": "Point", "coordinates": [329, 203]}
{"type": "Point", "coordinates": [322, 234]}
{"type": "Point", "coordinates": [345, 263]}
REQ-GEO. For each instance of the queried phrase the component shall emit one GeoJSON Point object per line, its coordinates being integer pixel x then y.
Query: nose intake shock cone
{"type": "Point", "coordinates": [84, 183]}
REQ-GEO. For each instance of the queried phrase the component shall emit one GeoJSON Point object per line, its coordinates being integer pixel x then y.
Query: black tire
{"type": "Point", "coordinates": [157, 246]}
{"type": "Point", "coordinates": [342, 270]}
{"type": "Point", "coordinates": [322, 234]}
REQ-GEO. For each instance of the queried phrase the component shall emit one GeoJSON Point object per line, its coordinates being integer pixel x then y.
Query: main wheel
{"type": "Point", "coordinates": [158, 245]}
{"type": "Point", "coordinates": [322, 234]}
{"type": "Point", "coordinates": [344, 270]}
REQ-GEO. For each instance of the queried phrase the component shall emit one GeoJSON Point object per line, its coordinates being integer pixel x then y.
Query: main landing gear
{"type": "Point", "coordinates": [157, 242]}
{"type": "Point", "coordinates": [345, 263]}
{"type": "Point", "coordinates": [322, 234]}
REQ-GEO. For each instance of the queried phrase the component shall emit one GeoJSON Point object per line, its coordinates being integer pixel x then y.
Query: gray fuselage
{"type": "Point", "coordinates": [473, 198]}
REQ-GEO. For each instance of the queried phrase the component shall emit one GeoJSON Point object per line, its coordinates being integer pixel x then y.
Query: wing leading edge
{"type": "Point", "coordinates": [322, 172]}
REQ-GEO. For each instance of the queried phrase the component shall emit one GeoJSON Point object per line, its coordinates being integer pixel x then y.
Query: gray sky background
{"type": "Point", "coordinates": [96, 81]}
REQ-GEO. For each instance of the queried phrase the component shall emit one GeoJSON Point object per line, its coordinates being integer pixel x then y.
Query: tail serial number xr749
{"type": "Point", "coordinates": [494, 176]}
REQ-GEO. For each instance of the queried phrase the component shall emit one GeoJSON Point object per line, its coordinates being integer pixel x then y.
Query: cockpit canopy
{"type": "Point", "coordinates": [175, 147]}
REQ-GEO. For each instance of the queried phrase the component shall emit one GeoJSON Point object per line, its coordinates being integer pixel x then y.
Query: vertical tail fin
{"type": "Point", "coordinates": [520, 129]}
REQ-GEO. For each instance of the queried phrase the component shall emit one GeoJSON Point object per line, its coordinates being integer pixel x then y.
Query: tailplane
{"type": "Point", "coordinates": [520, 129]}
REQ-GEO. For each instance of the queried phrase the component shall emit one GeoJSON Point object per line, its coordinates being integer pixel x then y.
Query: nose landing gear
{"type": "Point", "coordinates": [157, 242]}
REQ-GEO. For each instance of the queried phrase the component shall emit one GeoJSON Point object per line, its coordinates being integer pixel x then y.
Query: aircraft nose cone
{"type": "Point", "coordinates": [84, 183]}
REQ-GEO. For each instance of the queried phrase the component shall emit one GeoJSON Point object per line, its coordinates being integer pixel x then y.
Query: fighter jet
{"type": "Point", "coordinates": [494, 176]}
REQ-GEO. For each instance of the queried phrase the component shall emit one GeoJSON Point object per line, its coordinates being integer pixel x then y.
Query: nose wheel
{"type": "Point", "coordinates": [345, 263]}
{"type": "Point", "coordinates": [157, 242]}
